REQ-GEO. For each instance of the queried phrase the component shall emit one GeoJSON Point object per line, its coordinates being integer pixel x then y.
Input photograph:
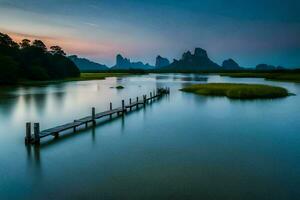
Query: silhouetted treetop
{"type": "Point", "coordinates": [33, 61]}
{"type": "Point", "coordinates": [25, 43]}
{"type": "Point", "coordinates": [39, 44]}
{"type": "Point", "coordinates": [6, 41]}
{"type": "Point", "coordinates": [57, 50]}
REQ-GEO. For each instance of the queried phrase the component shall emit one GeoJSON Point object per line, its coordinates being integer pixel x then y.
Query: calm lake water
{"type": "Point", "coordinates": [183, 146]}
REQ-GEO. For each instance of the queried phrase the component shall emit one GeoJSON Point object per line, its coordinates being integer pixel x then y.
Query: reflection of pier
{"type": "Point", "coordinates": [35, 138]}
{"type": "Point", "coordinates": [35, 156]}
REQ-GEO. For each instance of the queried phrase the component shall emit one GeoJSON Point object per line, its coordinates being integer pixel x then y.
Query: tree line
{"type": "Point", "coordinates": [31, 60]}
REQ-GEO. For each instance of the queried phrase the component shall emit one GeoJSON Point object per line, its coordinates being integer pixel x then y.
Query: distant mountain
{"type": "Point", "coordinates": [230, 64]}
{"type": "Point", "coordinates": [197, 61]}
{"type": "Point", "coordinates": [265, 67]}
{"type": "Point", "coordinates": [125, 64]}
{"type": "Point", "coordinates": [86, 65]}
{"type": "Point", "coordinates": [161, 62]}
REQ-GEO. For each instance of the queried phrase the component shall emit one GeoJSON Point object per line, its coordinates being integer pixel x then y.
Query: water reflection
{"type": "Point", "coordinates": [211, 140]}
{"type": "Point", "coordinates": [93, 135]}
{"type": "Point", "coordinates": [181, 78]}
{"type": "Point", "coordinates": [123, 123]}
{"type": "Point", "coordinates": [34, 158]}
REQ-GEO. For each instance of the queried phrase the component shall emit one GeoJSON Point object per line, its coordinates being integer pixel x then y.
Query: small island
{"type": "Point", "coordinates": [119, 87]}
{"type": "Point", "coordinates": [238, 91]}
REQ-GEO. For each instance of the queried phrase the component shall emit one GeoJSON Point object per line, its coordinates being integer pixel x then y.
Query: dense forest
{"type": "Point", "coordinates": [33, 61]}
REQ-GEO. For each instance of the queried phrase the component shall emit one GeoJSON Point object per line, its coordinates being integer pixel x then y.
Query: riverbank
{"type": "Point", "coordinates": [83, 77]}
{"type": "Point", "coordinates": [274, 76]}
{"type": "Point", "coordinates": [238, 91]}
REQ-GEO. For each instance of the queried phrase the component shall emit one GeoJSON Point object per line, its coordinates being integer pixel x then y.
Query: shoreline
{"type": "Point", "coordinates": [291, 77]}
{"type": "Point", "coordinates": [275, 76]}
{"type": "Point", "coordinates": [83, 77]}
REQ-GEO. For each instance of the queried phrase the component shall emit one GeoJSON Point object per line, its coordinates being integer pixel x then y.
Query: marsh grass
{"type": "Point", "coordinates": [238, 91]}
{"type": "Point", "coordinates": [97, 76]}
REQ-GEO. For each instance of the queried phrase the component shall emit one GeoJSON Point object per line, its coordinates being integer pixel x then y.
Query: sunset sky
{"type": "Point", "coordinates": [249, 31]}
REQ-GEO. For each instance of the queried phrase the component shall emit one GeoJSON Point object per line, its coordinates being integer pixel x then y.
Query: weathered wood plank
{"type": "Point", "coordinates": [85, 120]}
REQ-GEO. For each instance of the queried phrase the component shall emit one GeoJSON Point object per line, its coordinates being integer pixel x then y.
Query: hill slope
{"type": "Point", "coordinates": [197, 61]}
{"type": "Point", "coordinates": [86, 65]}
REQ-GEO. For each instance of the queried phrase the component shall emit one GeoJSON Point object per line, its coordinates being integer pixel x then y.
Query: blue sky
{"type": "Point", "coordinates": [251, 32]}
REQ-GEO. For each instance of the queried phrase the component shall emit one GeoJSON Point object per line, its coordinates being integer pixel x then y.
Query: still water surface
{"type": "Point", "coordinates": [183, 146]}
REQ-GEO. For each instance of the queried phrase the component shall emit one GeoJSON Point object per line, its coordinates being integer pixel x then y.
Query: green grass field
{"type": "Point", "coordinates": [238, 91]}
{"type": "Point", "coordinates": [96, 76]}
{"type": "Point", "coordinates": [276, 76]}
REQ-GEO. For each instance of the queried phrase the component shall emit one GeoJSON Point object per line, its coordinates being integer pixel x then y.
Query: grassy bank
{"type": "Point", "coordinates": [83, 77]}
{"type": "Point", "coordinates": [276, 76]}
{"type": "Point", "coordinates": [237, 91]}
{"type": "Point", "coordinates": [96, 76]}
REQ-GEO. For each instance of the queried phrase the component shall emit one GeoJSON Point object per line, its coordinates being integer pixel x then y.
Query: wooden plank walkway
{"type": "Point", "coordinates": [37, 134]}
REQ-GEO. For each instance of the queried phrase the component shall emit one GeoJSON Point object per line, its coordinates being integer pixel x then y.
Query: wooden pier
{"type": "Point", "coordinates": [55, 131]}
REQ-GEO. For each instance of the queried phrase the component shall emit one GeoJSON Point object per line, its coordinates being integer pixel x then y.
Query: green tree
{"type": "Point", "coordinates": [40, 45]}
{"type": "Point", "coordinates": [37, 73]}
{"type": "Point", "coordinates": [57, 50]}
{"type": "Point", "coordinates": [32, 61]}
{"type": "Point", "coordinates": [6, 41]}
{"type": "Point", "coordinates": [25, 43]}
{"type": "Point", "coordinates": [8, 70]}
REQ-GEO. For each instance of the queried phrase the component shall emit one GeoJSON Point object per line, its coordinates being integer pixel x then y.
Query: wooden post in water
{"type": "Point", "coordinates": [28, 133]}
{"type": "Point", "coordinates": [110, 108]}
{"type": "Point", "coordinates": [36, 132]}
{"type": "Point", "coordinates": [151, 96]}
{"type": "Point", "coordinates": [145, 98]}
{"type": "Point", "coordinates": [130, 104]}
{"type": "Point", "coordinates": [123, 106]}
{"type": "Point", "coordinates": [137, 102]}
{"type": "Point", "coordinates": [93, 116]}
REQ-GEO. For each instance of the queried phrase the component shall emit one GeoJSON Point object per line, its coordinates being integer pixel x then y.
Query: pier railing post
{"type": "Point", "coordinates": [28, 133]}
{"type": "Point", "coordinates": [36, 132]}
{"type": "Point", "coordinates": [145, 99]}
{"type": "Point", "coordinates": [110, 108]}
{"type": "Point", "coordinates": [151, 96]}
{"type": "Point", "coordinates": [93, 115]}
{"type": "Point", "coordinates": [123, 106]}
{"type": "Point", "coordinates": [130, 104]}
{"type": "Point", "coordinates": [137, 102]}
